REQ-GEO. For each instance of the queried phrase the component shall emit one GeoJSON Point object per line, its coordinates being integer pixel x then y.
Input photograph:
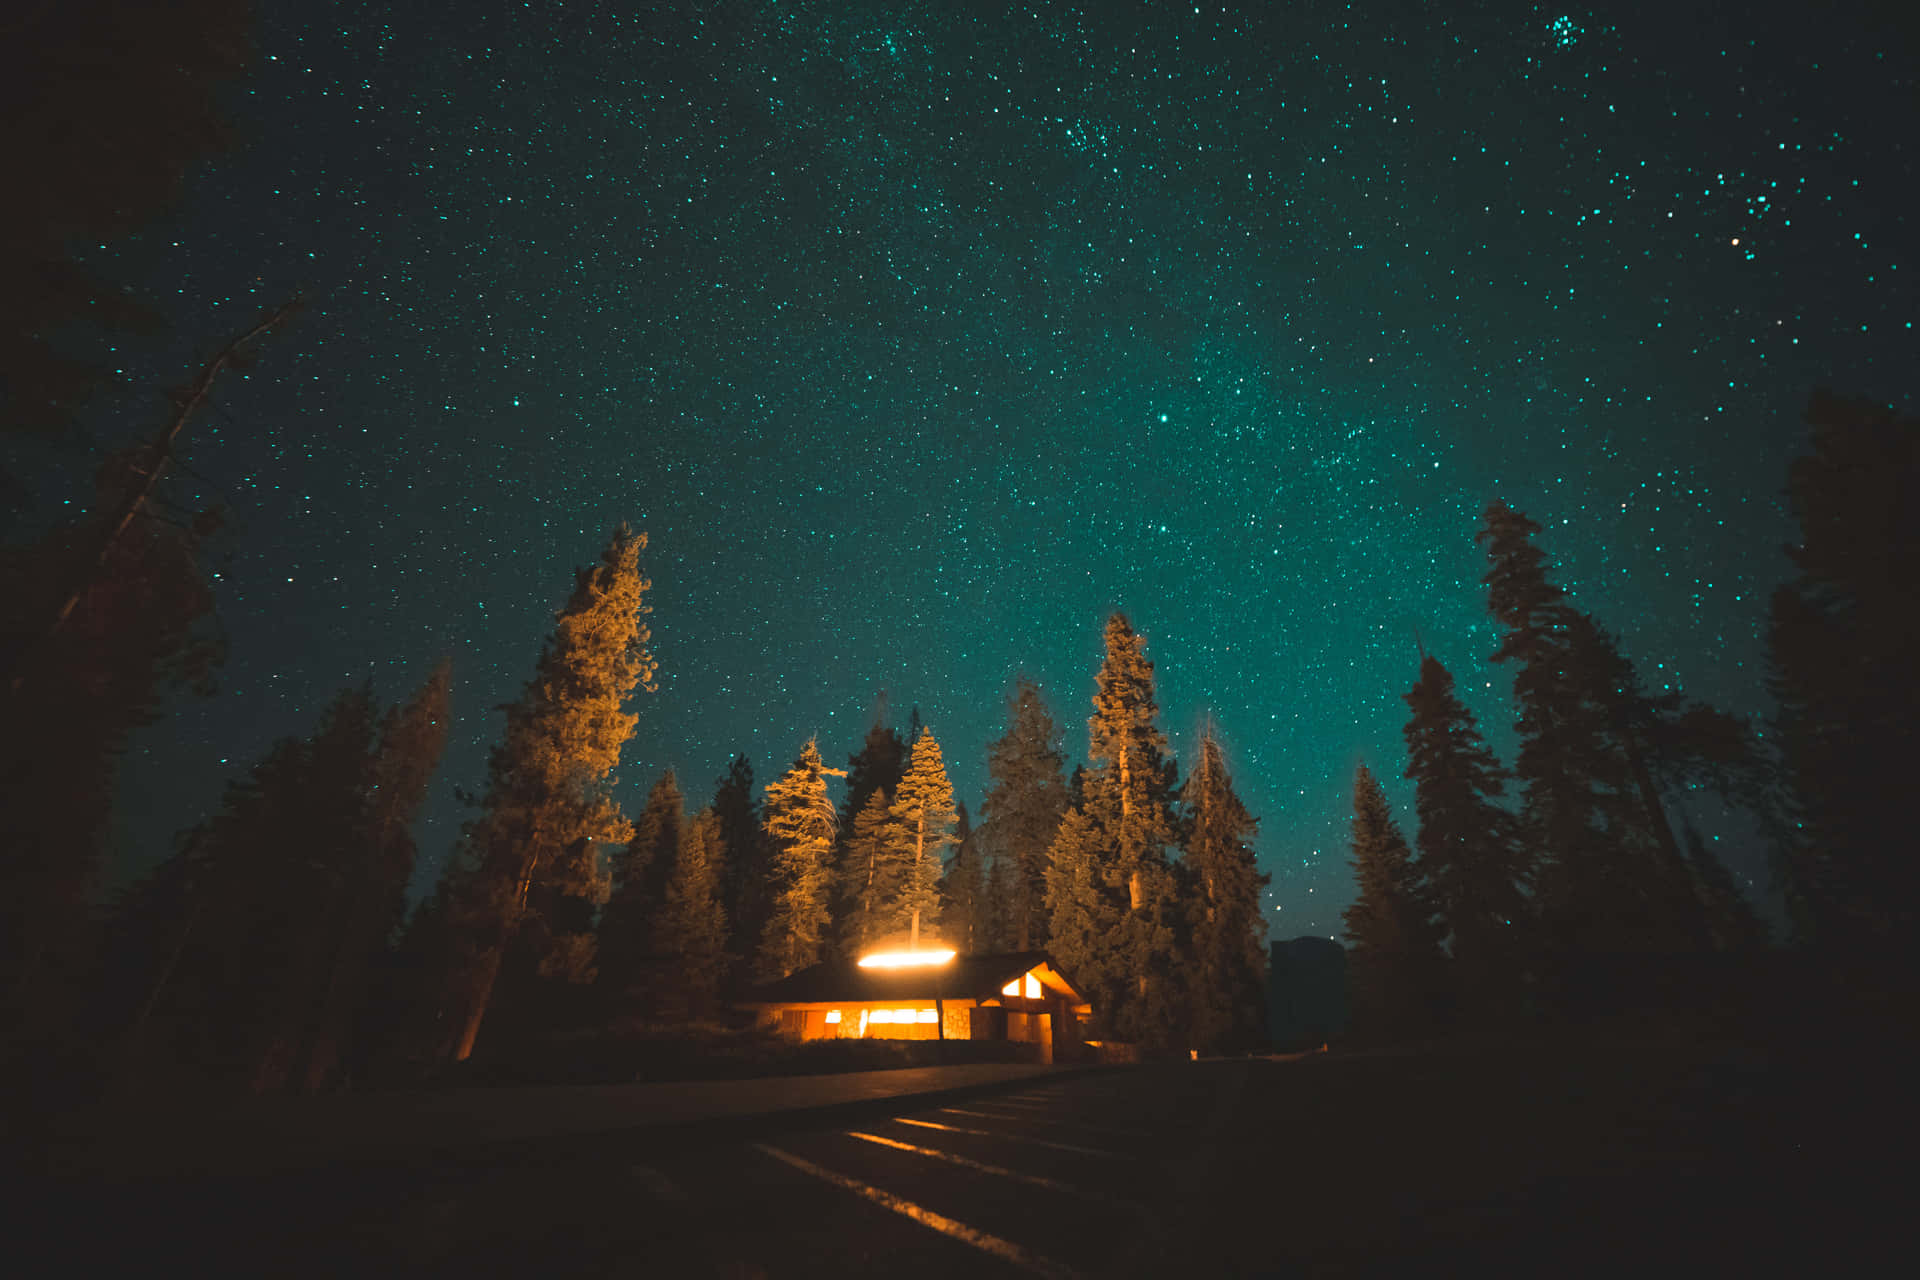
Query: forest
{"type": "Point", "coordinates": [274, 950]}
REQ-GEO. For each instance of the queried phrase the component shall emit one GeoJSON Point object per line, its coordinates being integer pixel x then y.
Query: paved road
{"type": "Point", "coordinates": [1066, 1177]}
{"type": "Point", "coordinates": [1490, 1165]}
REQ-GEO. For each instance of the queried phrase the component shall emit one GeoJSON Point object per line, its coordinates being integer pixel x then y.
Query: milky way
{"type": "Point", "coordinates": [919, 337]}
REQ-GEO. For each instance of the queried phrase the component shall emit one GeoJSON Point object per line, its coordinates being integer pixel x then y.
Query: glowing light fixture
{"type": "Point", "coordinates": [833, 1015]}
{"type": "Point", "coordinates": [902, 959]}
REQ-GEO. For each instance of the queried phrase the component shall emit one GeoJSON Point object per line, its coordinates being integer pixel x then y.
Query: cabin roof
{"type": "Point", "coordinates": [975, 977]}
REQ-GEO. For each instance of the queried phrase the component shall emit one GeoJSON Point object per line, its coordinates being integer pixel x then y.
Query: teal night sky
{"type": "Point", "coordinates": [918, 337]}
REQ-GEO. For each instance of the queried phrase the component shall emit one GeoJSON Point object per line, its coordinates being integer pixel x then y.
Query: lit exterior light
{"type": "Point", "coordinates": [901, 959]}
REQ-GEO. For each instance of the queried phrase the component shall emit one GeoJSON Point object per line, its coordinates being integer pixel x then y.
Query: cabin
{"type": "Point", "coordinates": [1019, 996]}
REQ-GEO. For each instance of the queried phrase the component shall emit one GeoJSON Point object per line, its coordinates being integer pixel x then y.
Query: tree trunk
{"type": "Point", "coordinates": [477, 1007]}
{"type": "Point", "coordinates": [162, 447]}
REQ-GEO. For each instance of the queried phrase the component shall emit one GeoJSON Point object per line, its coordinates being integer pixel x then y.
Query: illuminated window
{"type": "Point", "coordinates": [928, 1015]}
{"type": "Point", "coordinates": [1011, 989]}
{"type": "Point", "coordinates": [833, 1016]}
{"type": "Point", "coordinates": [880, 1015]}
{"type": "Point", "coordinates": [1033, 988]}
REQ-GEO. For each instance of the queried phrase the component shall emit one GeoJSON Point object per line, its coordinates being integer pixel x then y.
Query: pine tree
{"type": "Point", "coordinates": [1574, 815]}
{"type": "Point", "coordinates": [332, 815]}
{"type": "Point", "coordinates": [1393, 945]}
{"type": "Point", "coordinates": [923, 816]}
{"type": "Point", "coordinates": [242, 958]}
{"type": "Point", "coordinates": [1126, 802]}
{"type": "Point", "coordinates": [1131, 789]}
{"type": "Point", "coordinates": [629, 951]}
{"type": "Point", "coordinates": [877, 766]}
{"type": "Point", "coordinates": [140, 631]}
{"type": "Point", "coordinates": [1227, 986]}
{"type": "Point", "coordinates": [872, 873]}
{"type": "Point", "coordinates": [748, 863]}
{"type": "Point", "coordinates": [1468, 845]}
{"type": "Point", "coordinates": [1024, 804]}
{"type": "Point", "coordinates": [1000, 896]}
{"type": "Point", "coordinates": [1086, 911]}
{"type": "Point", "coordinates": [963, 893]}
{"type": "Point", "coordinates": [412, 738]}
{"type": "Point", "coordinates": [548, 801]}
{"type": "Point", "coordinates": [800, 826]}
{"type": "Point", "coordinates": [692, 926]}
{"type": "Point", "coordinates": [1841, 641]}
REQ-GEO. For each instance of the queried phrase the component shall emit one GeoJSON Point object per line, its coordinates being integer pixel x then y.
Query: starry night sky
{"type": "Point", "coordinates": [917, 337]}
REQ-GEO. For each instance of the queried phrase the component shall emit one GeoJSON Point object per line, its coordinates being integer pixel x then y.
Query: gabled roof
{"type": "Point", "coordinates": [977, 977]}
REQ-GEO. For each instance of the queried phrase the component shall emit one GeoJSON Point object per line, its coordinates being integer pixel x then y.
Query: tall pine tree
{"type": "Point", "coordinates": [965, 910]}
{"type": "Point", "coordinates": [1025, 800]}
{"type": "Point", "coordinates": [548, 802]}
{"type": "Point", "coordinates": [800, 827]}
{"type": "Point", "coordinates": [242, 960]}
{"type": "Point", "coordinates": [1086, 911]}
{"type": "Point", "coordinates": [1126, 800]}
{"type": "Point", "coordinates": [1611, 874]}
{"type": "Point", "coordinates": [412, 738]}
{"type": "Point", "coordinates": [746, 898]}
{"type": "Point", "coordinates": [691, 928]}
{"type": "Point", "coordinates": [1227, 986]}
{"type": "Point", "coordinates": [1394, 962]}
{"type": "Point", "coordinates": [871, 875]}
{"type": "Point", "coordinates": [923, 817]}
{"type": "Point", "coordinates": [630, 968]}
{"type": "Point", "coordinates": [1469, 848]}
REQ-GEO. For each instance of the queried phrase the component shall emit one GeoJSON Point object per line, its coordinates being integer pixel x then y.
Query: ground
{"type": "Point", "coordinates": [1617, 1148]}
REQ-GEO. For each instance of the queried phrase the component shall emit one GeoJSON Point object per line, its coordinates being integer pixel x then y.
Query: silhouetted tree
{"type": "Point", "coordinates": [1393, 945]}
{"type": "Point", "coordinates": [800, 827]}
{"type": "Point", "coordinates": [548, 801]}
{"type": "Point", "coordinates": [630, 954]}
{"type": "Point", "coordinates": [1841, 640]}
{"type": "Point", "coordinates": [692, 926]}
{"type": "Point", "coordinates": [1227, 986]}
{"type": "Point", "coordinates": [137, 632]}
{"type": "Point", "coordinates": [877, 766]}
{"type": "Point", "coordinates": [1000, 895]}
{"type": "Point", "coordinates": [963, 892]}
{"type": "Point", "coordinates": [872, 874]}
{"type": "Point", "coordinates": [1025, 801]}
{"type": "Point", "coordinates": [412, 738]}
{"type": "Point", "coordinates": [1469, 848]}
{"type": "Point", "coordinates": [249, 948]}
{"type": "Point", "coordinates": [747, 861]}
{"type": "Point", "coordinates": [1610, 875]}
